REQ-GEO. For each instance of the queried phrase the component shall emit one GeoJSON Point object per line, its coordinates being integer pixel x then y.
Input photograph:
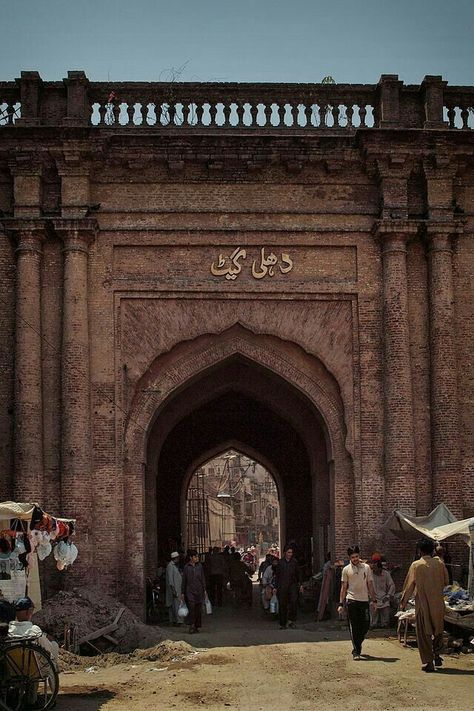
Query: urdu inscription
{"type": "Point", "coordinates": [230, 267]}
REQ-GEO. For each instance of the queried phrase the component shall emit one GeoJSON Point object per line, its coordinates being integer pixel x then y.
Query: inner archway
{"type": "Point", "coordinates": [232, 500]}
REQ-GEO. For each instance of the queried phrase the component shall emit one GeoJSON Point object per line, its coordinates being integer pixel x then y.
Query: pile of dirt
{"type": "Point", "coordinates": [68, 661]}
{"type": "Point", "coordinates": [89, 609]}
{"type": "Point", "coordinates": [164, 653]}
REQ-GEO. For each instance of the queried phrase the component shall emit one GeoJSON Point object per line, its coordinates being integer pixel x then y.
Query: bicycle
{"type": "Point", "coordinates": [28, 676]}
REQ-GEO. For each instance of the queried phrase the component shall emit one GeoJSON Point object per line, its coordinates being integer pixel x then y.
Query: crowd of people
{"type": "Point", "coordinates": [365, 590]}
{"type": "Point", "coordinates": [223, 574]}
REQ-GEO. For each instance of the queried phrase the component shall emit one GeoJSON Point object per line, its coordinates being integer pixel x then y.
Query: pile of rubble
{"type": "Point", "coordinates": [91, 622]}
{"type": "Point", "coordinates": [165, 652]}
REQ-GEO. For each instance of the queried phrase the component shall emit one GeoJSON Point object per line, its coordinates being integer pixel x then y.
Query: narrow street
{"type": "Point", "coordinates": [244, 661]}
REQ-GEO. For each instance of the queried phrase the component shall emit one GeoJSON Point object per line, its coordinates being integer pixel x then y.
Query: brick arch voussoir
{"type": "Point", "coordinates": [167, 381]}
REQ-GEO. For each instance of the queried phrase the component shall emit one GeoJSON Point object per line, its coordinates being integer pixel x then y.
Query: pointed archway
{"type": "Point", "coordinates": [230, 498]}
{"type": "Point", "coordinates": [271, 396]}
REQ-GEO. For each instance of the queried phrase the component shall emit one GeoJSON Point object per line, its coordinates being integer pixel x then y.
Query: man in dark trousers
{"type": "Point", "coordinates": [287, 586]}
{"type": "Point", "coordinates": [193, 590]}
{"type": "Point", "coordinates": [217, 575]}
{"type": "Point", "coordinates": [356, 590]}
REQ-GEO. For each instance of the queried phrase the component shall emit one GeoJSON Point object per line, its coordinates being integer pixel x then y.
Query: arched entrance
{"type": "Point", "coordinates": [279, 404]}
{"type": "Point", "coordinates": [231, 500]}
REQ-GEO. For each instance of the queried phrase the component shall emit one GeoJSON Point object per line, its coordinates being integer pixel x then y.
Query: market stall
{"type": "Point", "coordinates": [28, 535]}
{"type": "Point", "coordinates": [439, 525]}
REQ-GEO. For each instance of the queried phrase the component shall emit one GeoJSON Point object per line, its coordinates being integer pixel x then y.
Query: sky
{"type": "Point", "coordinates": [239, 40]}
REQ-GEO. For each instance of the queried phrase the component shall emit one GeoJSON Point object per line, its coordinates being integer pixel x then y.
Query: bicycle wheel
{"type": "Point", "coordinates": [31, 667]}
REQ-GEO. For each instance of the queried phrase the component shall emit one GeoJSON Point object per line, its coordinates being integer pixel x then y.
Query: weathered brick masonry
{"type": "Point", "coordinates": [335, 346]}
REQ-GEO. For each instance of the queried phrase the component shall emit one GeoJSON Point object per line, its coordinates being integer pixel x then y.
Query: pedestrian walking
{"type": "Point", "coordinates": [356, 589]}
{"type": "Point", "coordinates": [194, 590]}
{"type": "Point", "coordinates": [264, 565]}
{"type": "Point", "coordinates": [384, 591]}
{"type": "Point", "coordinates": [268, 583]}
{"type": "Point", "coordinates": [427, 577]}
{"type": "Point", "coordinates": [217, 575]}
{"type": "Point", "coordinates": [173, 588]}
{"type": "Point", "coordinates": [287, 586]}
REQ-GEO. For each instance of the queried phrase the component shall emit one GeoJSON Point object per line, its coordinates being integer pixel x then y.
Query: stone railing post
{"type": "Point", "coordinates": [78, 112]}
{"type": "Point", "coordinates": [445, 423]}
{"type": "Point", "coordinates": [432, 89]}
{"type": "Point", "coordinates": [389, 101]}
{"type": "Point", "coordinates": [76, 473]}
{"type": "Point", "coordinates": [30, 88]}
{"type": "Point", "coordinates": [398, 401]}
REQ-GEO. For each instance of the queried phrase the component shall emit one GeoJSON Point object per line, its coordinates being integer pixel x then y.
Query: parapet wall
{"type": "Point", "coordinates": [389, 104]}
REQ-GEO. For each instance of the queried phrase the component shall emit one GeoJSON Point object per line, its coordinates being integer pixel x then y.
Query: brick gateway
{"type": "Point", "coordinates": [285, 268]}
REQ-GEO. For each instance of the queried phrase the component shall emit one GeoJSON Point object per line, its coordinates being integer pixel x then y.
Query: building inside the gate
{"type": "Point", "coordinates": [285, 270]}
{"type": "Point", "coordinates": [231, 500]}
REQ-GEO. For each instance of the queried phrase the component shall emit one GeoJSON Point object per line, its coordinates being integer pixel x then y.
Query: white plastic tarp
{"type": "Point", "coordinates": [438, 525]}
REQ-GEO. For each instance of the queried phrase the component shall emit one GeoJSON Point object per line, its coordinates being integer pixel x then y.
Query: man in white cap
{"type": "Point", "coordinates": [173, 589]}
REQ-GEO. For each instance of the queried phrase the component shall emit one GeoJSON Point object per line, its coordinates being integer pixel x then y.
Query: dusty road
{"type": "Point", "coordinates": [243, 661]}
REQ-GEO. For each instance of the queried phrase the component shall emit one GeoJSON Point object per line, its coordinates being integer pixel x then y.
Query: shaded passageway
{"type": "Point", "coordinates": [242, 405]}
{"type": "Point", "coordinates": [229, 626]}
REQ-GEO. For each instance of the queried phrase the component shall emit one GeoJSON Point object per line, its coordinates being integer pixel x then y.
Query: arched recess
{"type": "Point", "coordinates": [251, 453]}
{"type": "Point", "coordinates": [192, 376]}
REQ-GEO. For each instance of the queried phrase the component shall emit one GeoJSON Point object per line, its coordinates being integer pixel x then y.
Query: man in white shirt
{"type": "Point", "coordinates": [23, 628]}
{"type": "Point", "coordinates": [356, 590]}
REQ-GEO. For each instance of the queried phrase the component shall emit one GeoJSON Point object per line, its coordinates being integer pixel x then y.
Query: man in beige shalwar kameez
{"type": "Point", "coordinates": [427, 577]}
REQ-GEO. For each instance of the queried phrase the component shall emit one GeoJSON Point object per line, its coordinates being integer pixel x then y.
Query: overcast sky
{"type": "Point", "coordinates": [239, 40]}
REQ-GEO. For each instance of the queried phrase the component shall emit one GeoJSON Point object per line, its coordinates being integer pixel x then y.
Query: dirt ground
{"type": "Point", "coordinates": [242, 660]}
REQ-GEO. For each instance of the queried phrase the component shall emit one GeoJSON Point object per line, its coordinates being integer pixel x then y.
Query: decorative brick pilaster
{"type": "Point", "coordinates": [398, 399]}
{"type": "Point", "coordinates": [76, 484]}
{"type": "Point", "coordinates": [445, 446]}
{"type": "Point", "coordinates": [28, 432]}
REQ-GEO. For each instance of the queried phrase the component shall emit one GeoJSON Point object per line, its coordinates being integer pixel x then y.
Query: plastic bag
{"type": "Point", "coordinates": [65, 554]}
{"type": "Point", "coordinates": [274, 604]}
{"type": "Point", "coordinates": [44, 550]}
{"type": "Point", "coordinates": [183, 611]}
{"type": "Point", "coordinates": [208, 606]}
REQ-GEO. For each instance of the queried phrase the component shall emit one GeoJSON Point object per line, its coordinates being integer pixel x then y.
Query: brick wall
{"type": "Point", "coordinates": [156, 315]}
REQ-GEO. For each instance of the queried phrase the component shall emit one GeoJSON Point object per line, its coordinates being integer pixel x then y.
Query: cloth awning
{"type": "Point", "coordinates": [438, 525]}
{"type": "Point", "coordinates": [13, 509]}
